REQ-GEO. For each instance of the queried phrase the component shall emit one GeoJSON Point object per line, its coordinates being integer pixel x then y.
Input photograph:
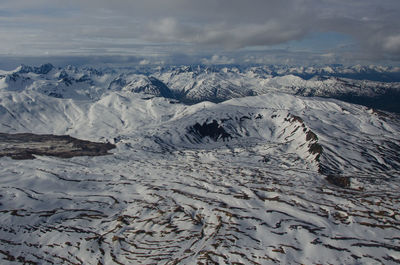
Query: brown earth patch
{"type": "Point", "coordinates": [26, 145]}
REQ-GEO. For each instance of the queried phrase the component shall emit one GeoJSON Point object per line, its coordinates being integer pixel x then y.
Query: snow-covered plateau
{"type": "Point", "coordinates": [211, 166]}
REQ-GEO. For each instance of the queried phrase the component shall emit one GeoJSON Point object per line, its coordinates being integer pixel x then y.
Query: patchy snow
{"type": "Point", "coordinates": [176, 192]}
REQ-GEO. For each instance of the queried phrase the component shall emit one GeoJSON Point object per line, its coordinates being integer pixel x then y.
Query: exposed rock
{"type": "Point", "coordinates": [212, 130]}
{"type": "Point", "coordinates": [44, 69]}
{"type": "Point", "coordinates": [316, 148]}
{"type": "Point", "coordinates": [25, 145]}
{"type": "Point", "coordinates": [297, 118]}
{"type": "Point", "coordinates": [41, 70]}
{"type": "Point", "coordinates": [311, 136]}
{"type": "Point", "coordinates": [294, 118]}
{"type": "Point", "coordinates": [340, 181]}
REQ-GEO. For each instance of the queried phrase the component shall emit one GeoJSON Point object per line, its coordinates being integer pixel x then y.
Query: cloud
{"type": "Point", "coordinates": [224, 35]}
{"type": "Point", "coordinates": [188, 26]}
{"type": "Point", "coordinates": [217, 59]}
{"type": "Point", "coordinates": [233, 24]}
{"type": "Point", "coordinates": [392, 44]}
{"type": "Point", "coordinates": [144, 62]}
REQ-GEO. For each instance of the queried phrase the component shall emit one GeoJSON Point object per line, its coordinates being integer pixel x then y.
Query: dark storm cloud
{"type": "Point", "coordinates": [51, 26]}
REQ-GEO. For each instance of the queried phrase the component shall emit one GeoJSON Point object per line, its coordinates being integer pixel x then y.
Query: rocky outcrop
{"type": "Point", "coordinates": [343, 182]}
{"type": "Point", "coordinates": [213, 130]}
{"type": "Point", "coordinates": [26, 145]}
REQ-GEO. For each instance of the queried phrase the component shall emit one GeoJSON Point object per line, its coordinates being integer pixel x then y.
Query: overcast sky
{"type": "Point", "coordinates": [212, 31]}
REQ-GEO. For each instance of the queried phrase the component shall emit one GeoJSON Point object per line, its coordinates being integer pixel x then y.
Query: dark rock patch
{"type": "Point", "coordinates": [343, 182]}
{"type": "Point", "coordinates": [311, 136]}
{"type": "Point", "coordinates": [316, 149]}
{"type": "Point", "coordinates": [297, 118]}
{"type": "Point", "coordinates": [26, 145]}
{"type": "Point", "coordinates": [294, 118]}
{"type": "Point", "coordinates": [213, 130]}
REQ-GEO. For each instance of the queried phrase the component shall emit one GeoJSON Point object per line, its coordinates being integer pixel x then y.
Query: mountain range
{"type": "Point", "coordinates": [190, 84]}
{"type": "Point", "coordinates": [211, 165]}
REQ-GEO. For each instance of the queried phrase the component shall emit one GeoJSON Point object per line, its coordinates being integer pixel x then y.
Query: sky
{"type": "Point", "coordinates": [206, 31]}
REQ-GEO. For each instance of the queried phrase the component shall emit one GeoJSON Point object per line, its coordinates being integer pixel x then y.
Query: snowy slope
{"type": "Point", "coordinates": [240, 181]}
{"type": "Point", "coordinates": [226, 83]}
{"type": "Point", "coordinates": [216, 84]}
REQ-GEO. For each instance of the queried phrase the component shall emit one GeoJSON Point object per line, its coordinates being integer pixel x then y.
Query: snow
{"type": "Point", "coordinates": [168, 194]}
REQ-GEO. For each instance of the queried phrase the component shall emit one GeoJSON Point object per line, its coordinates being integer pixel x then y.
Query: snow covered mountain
{"type": "Point", "coordinates": [265, 177]}
{"type": "Point", "coordinates": [196, 84]}
{"type": "Point", "coordinates": [215, 84]}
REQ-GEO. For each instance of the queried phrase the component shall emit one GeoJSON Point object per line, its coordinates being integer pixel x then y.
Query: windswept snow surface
{"type": "Point", "coordinates": [242, 181]}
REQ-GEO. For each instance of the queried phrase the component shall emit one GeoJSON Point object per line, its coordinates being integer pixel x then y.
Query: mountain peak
{"type": "Point", "coordinates": [44, 69]}
{"type": "Point", "coordinates": [40, 70]}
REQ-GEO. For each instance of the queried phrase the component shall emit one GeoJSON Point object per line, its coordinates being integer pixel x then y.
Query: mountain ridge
{"type": "Point", "coordinates": [263, 179]}
{"type": "Point", "coordinates": [195, 84]}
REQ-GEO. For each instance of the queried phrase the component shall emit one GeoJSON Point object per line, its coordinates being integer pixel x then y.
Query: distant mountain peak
{"type": "Point", "coordinates": [41, 70]}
